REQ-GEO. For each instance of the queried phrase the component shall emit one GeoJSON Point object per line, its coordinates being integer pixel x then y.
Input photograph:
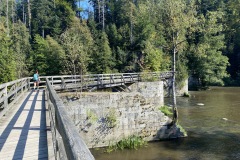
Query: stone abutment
{"type": "Point", "coordinates": [104, 118]}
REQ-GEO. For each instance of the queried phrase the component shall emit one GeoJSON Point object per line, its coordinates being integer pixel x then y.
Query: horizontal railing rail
{"type": "Point", "coordinates": [104, 80]}
{"type": "Point", "coordinates": [10, 92]}
{"type": "Point", "coordinates": [66, 140]}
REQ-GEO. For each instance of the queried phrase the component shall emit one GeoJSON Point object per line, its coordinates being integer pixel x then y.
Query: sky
{"type": "Point", "coordinates": [86, 6]}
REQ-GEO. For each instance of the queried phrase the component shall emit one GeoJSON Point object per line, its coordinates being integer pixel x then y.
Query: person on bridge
{"type": "Point", "coordinates": [36, 80]}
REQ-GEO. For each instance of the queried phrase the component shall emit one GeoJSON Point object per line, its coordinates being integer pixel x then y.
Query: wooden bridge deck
{"type": "Point", "coordinates": [24, 131]}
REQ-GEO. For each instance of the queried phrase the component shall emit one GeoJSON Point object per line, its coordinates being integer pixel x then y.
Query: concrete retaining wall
{"type": "Point", "coordinates": [105, 118]}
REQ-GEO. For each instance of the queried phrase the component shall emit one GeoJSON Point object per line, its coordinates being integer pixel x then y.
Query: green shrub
{"type": "Point", "coordinates": [91, 116]}
{"type": "Point", "coordinates": [131, 142]}
{"type": "Point", "coordinates": [166, 110]}
{"type": "Point", "coordinates": [186, 94]}
{"type": "Point", "coordinates": [182, 129]}
{"type": "Point", "coordinates": [111, 118]}
{"type": "Point", "coordinates": [148, 77]}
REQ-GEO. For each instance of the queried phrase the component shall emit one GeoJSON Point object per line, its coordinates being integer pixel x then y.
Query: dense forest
{"type": "Point", "coordinates": [59, 37]}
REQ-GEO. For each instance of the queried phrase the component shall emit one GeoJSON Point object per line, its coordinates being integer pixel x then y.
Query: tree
{"type": "Point", "coordinates": [55, 57]}
{"type": "Point", "coordinates": [177, 17]}
{"type": "Point", "coordinates": [207, 62]}
{"type": "Point", "coordinates": [148, 39]}
{"type": "Point", "coordinates": [48, 56]}
{"type": "Point", "coordinates": [38, 55]}
{"type": "Point", "coordinates": [103, 60]}
{"type": "Point", "coordinates": [7, 61]}
{"type": "Point", "coordinates": [21, 48]}
{"type": "Point", "coordinates": [77, 42]}
{"type": "Point", "coordinates": [232, 34]}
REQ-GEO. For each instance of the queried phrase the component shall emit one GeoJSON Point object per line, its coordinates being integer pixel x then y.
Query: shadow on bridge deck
{"type": "Point", "coordinates": [23, 131]}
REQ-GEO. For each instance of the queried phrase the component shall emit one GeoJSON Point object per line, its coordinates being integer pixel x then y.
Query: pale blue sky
{"type": "Point", "coordinates": [86, 6]}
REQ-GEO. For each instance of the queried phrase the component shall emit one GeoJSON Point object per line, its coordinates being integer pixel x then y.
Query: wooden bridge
{"type": "Point", "coordinates": [35, 125]}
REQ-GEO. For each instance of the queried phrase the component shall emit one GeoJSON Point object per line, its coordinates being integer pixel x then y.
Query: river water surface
{"type": "Point", "coordinates": [209, 136]}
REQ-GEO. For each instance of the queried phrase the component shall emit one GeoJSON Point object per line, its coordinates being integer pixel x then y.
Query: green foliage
{"type": "Point", "coordinates": [77, 42]}
{"type": "Point", "coordinates": [39, 55]}
{"type": "Point", "coordinates": [182, 72]}
{"type": "Point", "coordinates": [182, 130]}
{"type": "Point", "coordinates": [7, 57]}
{"type": "Point", "coordinates": [186, 94]}
{"type": "Point", "coordinates": [206, 60]}
{"type": "Point", "coordinates": [166, 110]}
{"type": "Point", "coordinates": [91, 116]}
{"type": "Point", "coordinates": [21, 48]}
{"type": "Point", "coordinates": [131, 142]}
{"type": "Point", "coordinates": [48, 57]}
{"type": "Point", "coordinates": [42, 16]}
{"type": "Point", "coordinates": [111, 118]}
{"type": "Point", "coordinates": [102, 57]}
{"type": "Point", "coordinates": [148, 77]}
{"type": "Point", "coordinates": [50, 18]}
{"type": "Point", "coordinates": [55, 57]}
{"type": "Point", "coordinates": [122, 36]}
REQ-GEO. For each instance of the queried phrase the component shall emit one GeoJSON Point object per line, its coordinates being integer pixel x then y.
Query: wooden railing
{"type": "Point", "coordinates": [66, 140]}
{"type": "Point", "coordinates": [10, 92]}
{"type": "Point", "coordinates": [104, 80]}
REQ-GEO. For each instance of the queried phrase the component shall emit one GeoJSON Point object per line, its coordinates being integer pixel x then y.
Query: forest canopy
{"type": "Point", "coordinates": [61, 37]}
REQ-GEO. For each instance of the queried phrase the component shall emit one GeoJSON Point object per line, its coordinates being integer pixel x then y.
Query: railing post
{"type": "Point", "coordinates": [5, 97]}
{"type": "Point", "coordinates": [28, 81]}
{"type": "Point", "coordinates": [22, 86]}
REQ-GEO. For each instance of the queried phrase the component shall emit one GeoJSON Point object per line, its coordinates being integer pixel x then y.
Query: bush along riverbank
{"type": "Point", "coordinates": [131, 142]}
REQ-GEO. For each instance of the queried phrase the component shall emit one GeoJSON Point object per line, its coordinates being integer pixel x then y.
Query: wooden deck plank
{"type": "Point", "coordinates": [23, 131]}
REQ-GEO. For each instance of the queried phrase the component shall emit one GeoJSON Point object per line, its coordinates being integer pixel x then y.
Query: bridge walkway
{"type": "Point", "coordinates": [24, 129]}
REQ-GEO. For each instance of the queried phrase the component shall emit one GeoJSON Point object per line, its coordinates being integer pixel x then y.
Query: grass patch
{"type": "Point", "coordinates": [182, 129]}
{"type": "Point", "coordinates": [111, 118]}
{"type": "Point", "coordinates": [131, 142]}
{"type": "Point", "coordinates": [186, 94]}
{"type": "Point", "coordinates": [91, 116]}
{"type": "Point", "coordinates": [166, 110]}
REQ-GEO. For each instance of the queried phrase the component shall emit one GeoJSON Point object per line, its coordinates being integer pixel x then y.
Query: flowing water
{"type": "Point", "coordinates": [210, 135]}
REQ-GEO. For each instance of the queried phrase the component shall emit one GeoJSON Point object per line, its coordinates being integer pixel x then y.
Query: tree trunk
{"type": "Point", "coordinates": [43, 33]}
{"type": "Point", "coordinates": [174, 78]}
{"type": "Point", "coordinates": [13, 16]}
{"type": "Point", "coordinates": [174, 108]}
{"type": "Point", "coordinates": [23, 14]}
{"type": "Point", "coordinates": [99, 12]}
{"type": "Point", "coordinates": [103, 15]}
{"type": "Point", "coordinates": [131, 25]}
{"type": "Point", "coordinates": [79, 5]}
{"type": "Point", "coordinates": [7, 20]}
{"type": "Point", "coordinates": [1, 7]}
{"type": "Point", "coordinates": [29, 17]}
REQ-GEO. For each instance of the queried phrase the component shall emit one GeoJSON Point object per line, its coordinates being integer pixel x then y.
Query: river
{"type": "Point", "coordinates": [210, 137]}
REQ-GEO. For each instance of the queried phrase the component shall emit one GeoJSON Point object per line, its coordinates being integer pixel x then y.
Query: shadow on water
{"type": "Point", "coordinates": [208, 145]}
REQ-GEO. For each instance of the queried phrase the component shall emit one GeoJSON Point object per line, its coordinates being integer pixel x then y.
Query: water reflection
{"type": "Point", "coordinates": [209, 136]}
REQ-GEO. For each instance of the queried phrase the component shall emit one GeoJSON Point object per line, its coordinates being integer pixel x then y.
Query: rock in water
{"type": "Point", "coordinates": [225, 119]}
